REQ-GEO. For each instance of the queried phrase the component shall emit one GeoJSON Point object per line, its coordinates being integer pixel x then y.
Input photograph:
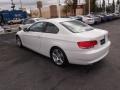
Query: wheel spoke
{"type": "Point", "coordinates": [58, 57]}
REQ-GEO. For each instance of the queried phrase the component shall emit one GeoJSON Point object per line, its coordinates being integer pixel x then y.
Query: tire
{"type": "Point", "coordinates": [58, 57]}
{"type": "Point", "coordinates": [19, 28]}
{"type": "Point", "coordinates": [18, 41]}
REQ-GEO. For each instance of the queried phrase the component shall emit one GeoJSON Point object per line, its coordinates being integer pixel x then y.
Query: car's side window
{"type": "Point", "coordinates": [51, 28]}
{"type": "Point", "coordinates": [29, 21]}
{"type": "Point", "coordinates": [24, 21]}
{"type": "Point", "coordinates": [38, 27]}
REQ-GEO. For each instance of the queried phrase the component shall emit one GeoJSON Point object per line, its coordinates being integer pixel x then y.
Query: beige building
{"type": "Point", "coordinates": [52, 11]}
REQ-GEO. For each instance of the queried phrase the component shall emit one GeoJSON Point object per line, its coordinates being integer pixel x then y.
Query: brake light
{"type": "Point", "coordinates": [87, 44]}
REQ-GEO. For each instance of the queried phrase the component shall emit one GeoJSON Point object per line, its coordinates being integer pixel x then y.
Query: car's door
{"type": "Point", "coordinates": [32, 37]}
{"type": "Point", "coordinates": [48, 38]}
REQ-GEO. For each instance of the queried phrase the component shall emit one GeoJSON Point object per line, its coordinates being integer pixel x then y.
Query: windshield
{"type": "Point", "coordinates": [76, 26]}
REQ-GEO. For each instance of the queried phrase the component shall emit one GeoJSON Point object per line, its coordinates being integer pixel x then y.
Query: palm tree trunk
{"type": "Point", "coordinates": [74, 6]}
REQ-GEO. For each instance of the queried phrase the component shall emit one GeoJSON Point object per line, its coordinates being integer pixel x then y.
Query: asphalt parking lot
{"type": "Point", "coordinates": [23, 69]}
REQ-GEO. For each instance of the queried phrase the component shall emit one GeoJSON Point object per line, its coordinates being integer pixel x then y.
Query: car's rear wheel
{"type": "Point", "coordinates": [20, 28]}
{"type": "Point", "coordinates": [58, 57]}
{"type": "Point", "coordinates": [18, 41]}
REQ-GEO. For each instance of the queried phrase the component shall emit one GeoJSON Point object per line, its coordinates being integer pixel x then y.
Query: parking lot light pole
{"type": "Point", "coordinates": [59, 10]}
{"type": "Point", "coordinates": [89, 7]}
{"type": "Point", "coordinates": [105, 8]}
{"type": "Point", "coordinates": [115, 8]}
{"type": "Point", "coordinates": [21, 4]}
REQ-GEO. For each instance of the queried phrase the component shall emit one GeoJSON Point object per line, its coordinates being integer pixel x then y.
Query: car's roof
{"type": "Point", "coordinates": [58, 20]}
{"type": "Point", "coordinates": [37, 18]}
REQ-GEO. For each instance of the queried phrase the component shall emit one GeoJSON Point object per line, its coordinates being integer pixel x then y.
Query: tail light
{"type": "Point", "coordinates": [87, 44]}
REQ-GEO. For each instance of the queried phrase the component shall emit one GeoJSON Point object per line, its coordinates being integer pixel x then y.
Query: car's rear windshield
{"type": "Point", "coordinates": [76, 26]}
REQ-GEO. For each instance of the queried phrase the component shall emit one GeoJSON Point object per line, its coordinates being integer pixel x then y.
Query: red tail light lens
{"type": "Point", "coordinates": [87, 44]}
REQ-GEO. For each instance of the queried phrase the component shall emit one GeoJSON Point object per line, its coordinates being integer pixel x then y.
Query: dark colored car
{"type": "Point", "coordinates": [109, 17]}
{"type": "Point", "coordinates": [103, 17]}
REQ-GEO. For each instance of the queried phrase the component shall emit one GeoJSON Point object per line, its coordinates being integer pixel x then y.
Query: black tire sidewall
{"type": "Point", "coordinates": [18, 38]}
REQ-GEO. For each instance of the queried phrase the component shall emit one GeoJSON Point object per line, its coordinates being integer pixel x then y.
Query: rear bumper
{"type": "Point", "coordinates": [88, 57]}
{"type": "Point", "coordinates": [97, 20]}
{"type": "Point", "coordinates": [90, 22]}
{"type": "Point", "coordinates": [1, 32]}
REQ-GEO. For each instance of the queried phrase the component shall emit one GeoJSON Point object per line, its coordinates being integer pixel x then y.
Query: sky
{"type": "Point", "coordinates": [29, 4]}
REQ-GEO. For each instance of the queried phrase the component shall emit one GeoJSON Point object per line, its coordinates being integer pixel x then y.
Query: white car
{"type": "Point", "coordinates": [65, 40]}
{"type": "Point", "coordinates": [87, 20]}
{"type": "Point", "coordinates": [29, 21]}
{"type": "Point", "coordinates": [1, 30]}
{"type": "Point", "coordinates": [96, 18]}
{"type": "Point", "coordinates": [14, 21]}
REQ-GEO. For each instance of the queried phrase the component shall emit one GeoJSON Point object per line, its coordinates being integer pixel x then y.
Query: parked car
{"type": "Point", "coordinates": [15, 21]}
{"type": "Point", "coordinates": [86, 19]}
{"type": "Point", "coordinates": [103, 17]}
{"type": "Point", "coordinates": [1, 30]}
{"type": "Point", "coordinates": [76, 18]}
{"type": "Point", "coordinates": [27, 22]}
{"type": "Point", "coordinates": [65, 40]}
{"type": "Point", "coordinates": [6, 28]}
{"type": "Point", "coordinates": [96, 18]}
{"type": "Point", "coordinates": [109, 16]}
{"type": "Point", "coordinates": [116, 15]}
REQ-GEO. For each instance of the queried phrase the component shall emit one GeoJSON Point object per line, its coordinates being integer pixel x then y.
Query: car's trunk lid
{"type": "Point", "coordinates": [101, 36]}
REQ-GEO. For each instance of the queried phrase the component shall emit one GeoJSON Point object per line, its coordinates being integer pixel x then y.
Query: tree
{"type": "Point", "coordinates": [72, 4]}
{"type": "Point", "coordinates": [113, 6]}
{"type": "Point", "coordinates": [67, 8]}
{"type": "Point", "coordinates": [118, 5]}
{"type": "Point", "coordinates": [118, 2]}
{"type": "Point", "coordinates": [108, 2]}
{"type": "Point", "coordinates": [108, 7]}
{"type": "Point", "coordinates": [94, 6]}
{"type": "Point", "coordinates": [103, 5]}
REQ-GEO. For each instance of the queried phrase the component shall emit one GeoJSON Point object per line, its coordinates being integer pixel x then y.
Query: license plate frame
{"type": "Point", "coordinates": [103, 41]}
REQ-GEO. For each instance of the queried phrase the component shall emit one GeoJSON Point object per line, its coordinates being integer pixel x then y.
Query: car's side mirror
{"type": "Point", "coordinates": [25, 29]}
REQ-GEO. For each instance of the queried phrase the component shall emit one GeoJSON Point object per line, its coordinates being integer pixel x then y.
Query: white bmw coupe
{"type": "Point", "coordinates": [65, 41]}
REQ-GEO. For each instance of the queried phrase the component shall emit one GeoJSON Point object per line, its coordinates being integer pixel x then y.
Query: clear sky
{"type": "Point", "coordinates": [5, 4]}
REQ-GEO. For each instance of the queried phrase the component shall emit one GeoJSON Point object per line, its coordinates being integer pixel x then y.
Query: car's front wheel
{"type": "Point", "coordinates": [18, 41]}
{"type": "Point", "coordinates": [59, 57]}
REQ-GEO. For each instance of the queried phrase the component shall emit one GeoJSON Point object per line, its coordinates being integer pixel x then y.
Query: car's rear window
{"type": "Point", "coordinates": [76, 26]}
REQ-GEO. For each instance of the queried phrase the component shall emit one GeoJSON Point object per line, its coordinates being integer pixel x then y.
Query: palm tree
{"type": "Point", "coordinates": [94, 6]}
{"type": "Point", "coordinates": [108, 2]}
{"type": "Point", "coordinates": [91, 6]}
{"type": "Point", "coordinates": [113, 6]}
{"type": "Point", "coordinates": [68, 7]}
{"type": "Point", "coordinates": [103, 5]}
{"type": "Point", "coordinates": [73, 5]}
{"type": "Point", "coordinates": [118, 4]}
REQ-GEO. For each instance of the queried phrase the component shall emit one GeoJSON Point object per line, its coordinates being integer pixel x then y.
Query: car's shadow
{"type": "Point", "coordinates": [47, 63]}
{"type": "Point", "coordinates": [87, 68]}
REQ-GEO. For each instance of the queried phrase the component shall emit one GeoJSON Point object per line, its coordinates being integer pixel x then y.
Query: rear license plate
{"type": "Point", "coordinates": [102, 41]}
